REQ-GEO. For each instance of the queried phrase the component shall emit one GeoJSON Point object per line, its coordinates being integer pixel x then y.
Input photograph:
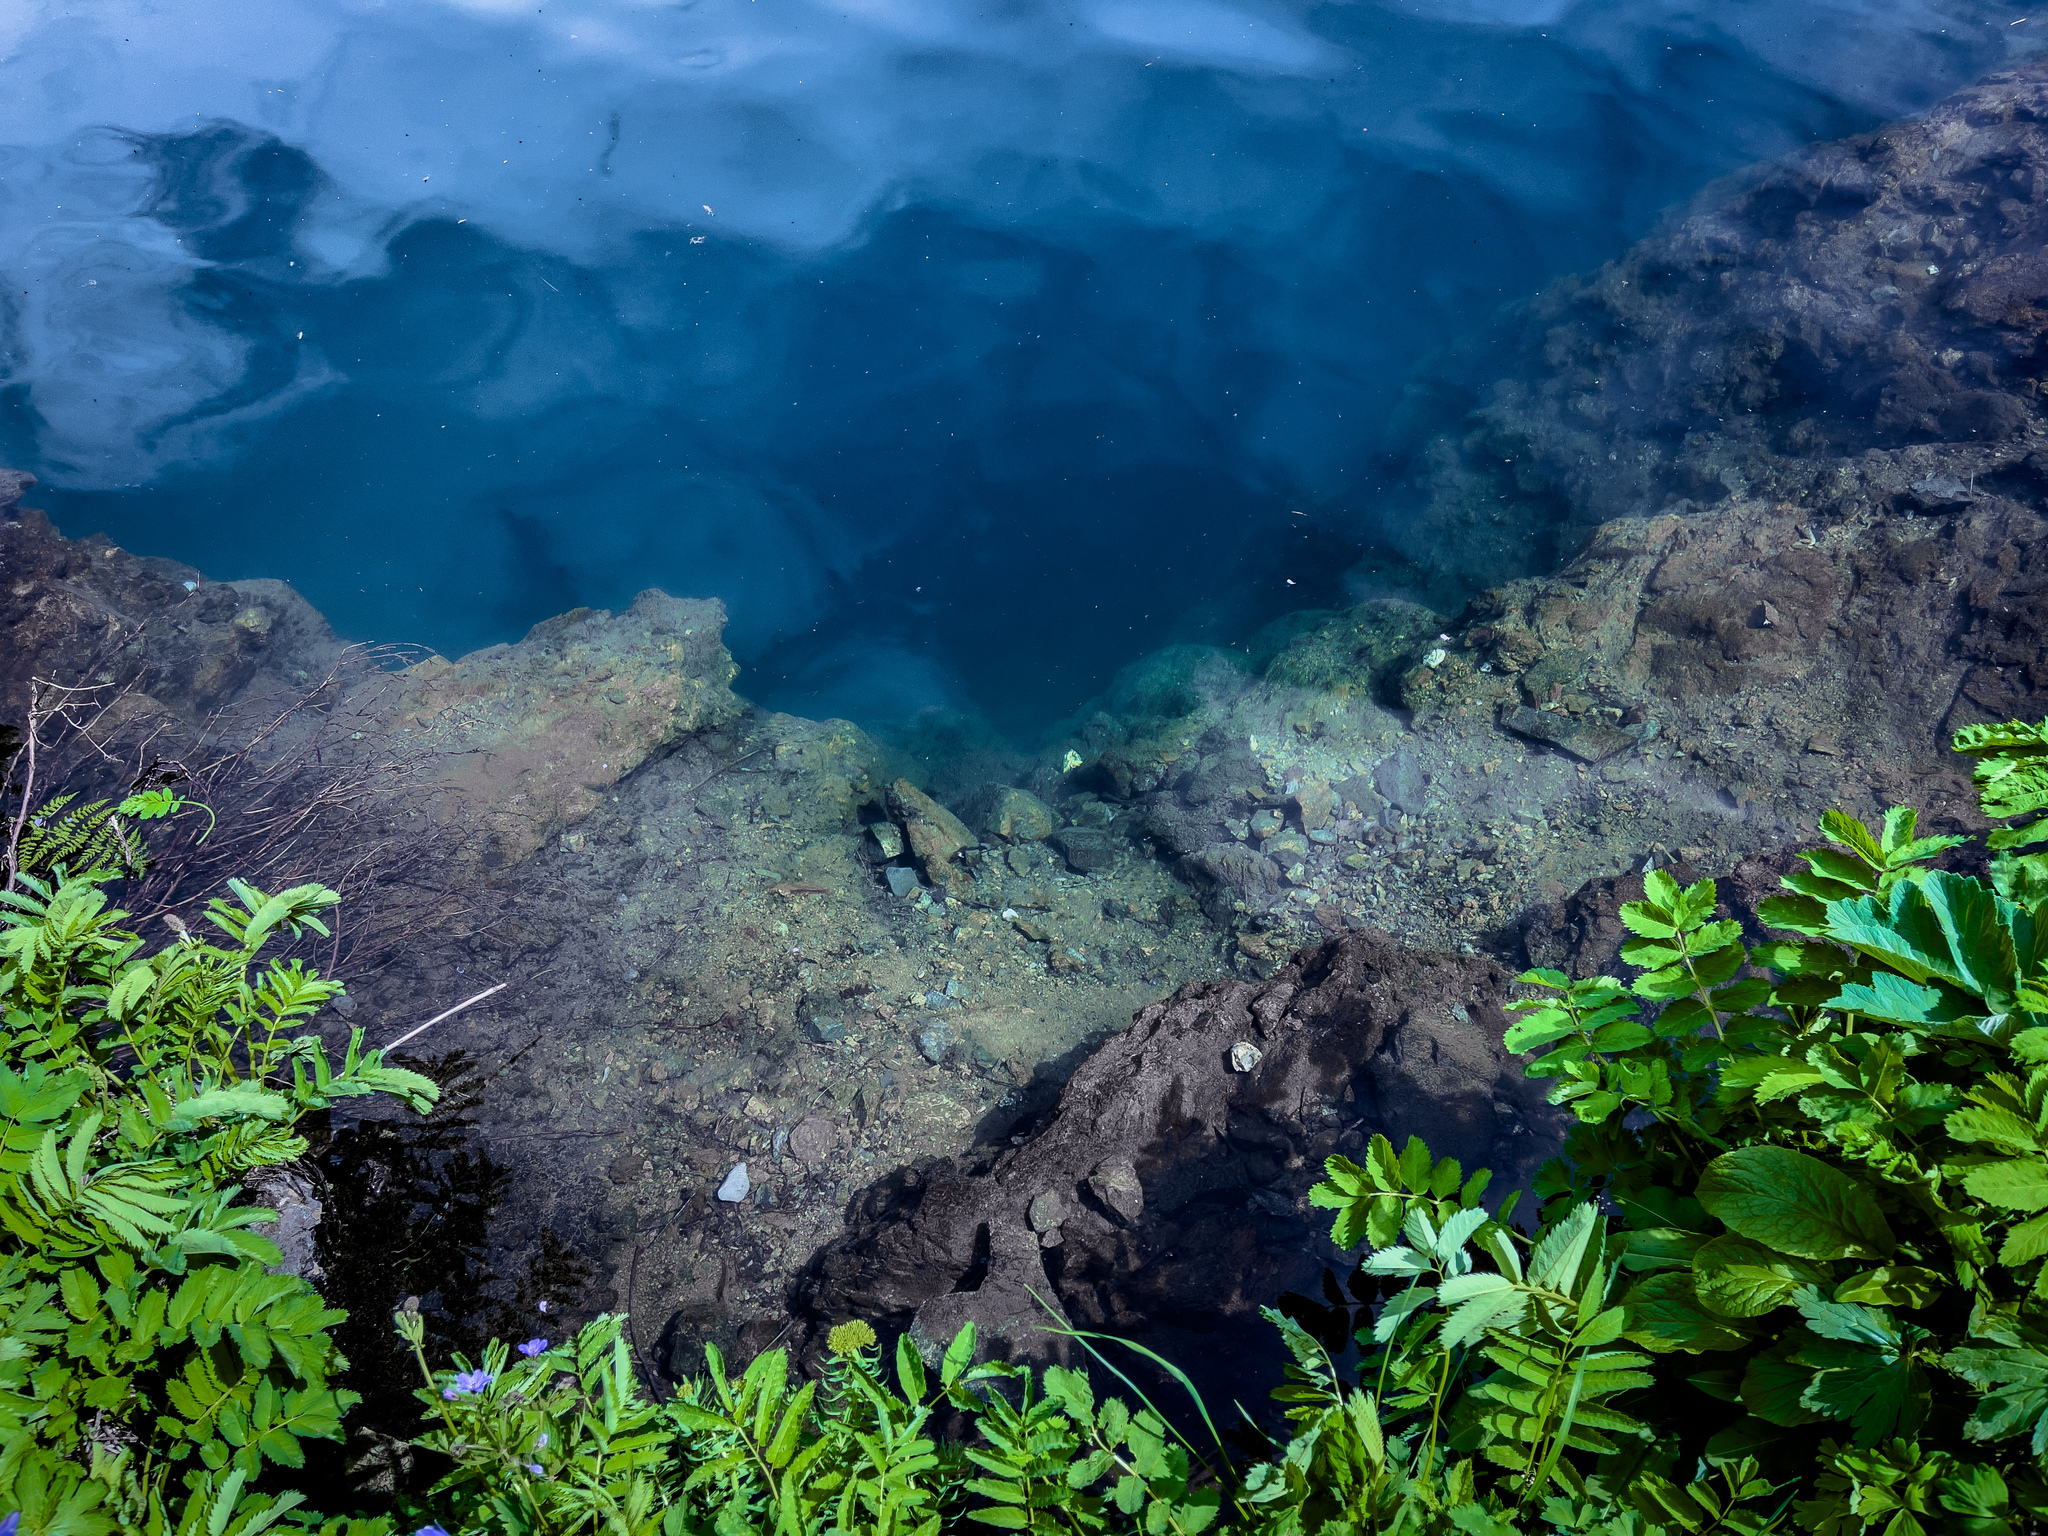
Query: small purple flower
{"type": "Point", "coordinates": [533, 1347]}
{"type": "Point", "coordinates": [430, 1530]}
{"type": "Point", "coordinates": [543, 1306]}
{"type": "Point", "coordinates": [12, 1524]}
{"type": "Point", "coordinates": [467, 1382]}
{"type": "Point", "coordinates": [541, 1444]}
{"type": "Point", "coordinates": [536, 1469]}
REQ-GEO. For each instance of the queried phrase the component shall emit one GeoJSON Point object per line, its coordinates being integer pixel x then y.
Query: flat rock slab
{"type": "Point", "coordinates": [1588, 743]}
{"type": "Point", "coordinates": [539, 732]}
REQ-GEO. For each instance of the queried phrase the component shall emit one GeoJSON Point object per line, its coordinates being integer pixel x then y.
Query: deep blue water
{"type": "Point", "coordinates": [966, 351]}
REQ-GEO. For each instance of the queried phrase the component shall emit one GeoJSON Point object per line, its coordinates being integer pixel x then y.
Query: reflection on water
{"type": "Point", "coordinates": [967, 359]}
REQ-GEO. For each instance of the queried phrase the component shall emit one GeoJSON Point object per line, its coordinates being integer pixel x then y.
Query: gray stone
{"type": "Point", "coordinates": [1018, 816]}
{"type": "Point", "coordinates": [1316, 803]}
{"type": "Point", "coordinates": [823, 1029]}
{"type": "Point", "coordinates": [737, 1185]}
{"type": "Point", "coordinates": [1589, 743]}
{"type": "Point", "coordinates": [1287, 849]}
{"type": "Point", "coordinates": [867, 1104]}
{"type": "Point", "coordinates": [934, 1042]}
{"type": "Point", "coordinates": [1233, 867]}
{"type": "Point", "coordinates": [1046, 1212]}
{"type": "Point", "coordinates": [292, 1195]}
{"type": "Point", "coordinates": [1400, 782]}
{"type": "Point", "coordinates": [1942, 490]}
{"type": "Point", "coordinates": [887, 838]}
{"type": "Point", "coordinates": [1115, 1183]}
{"type": "Point", "coordinates": [902, 882]}
{"type": "Point", "coordinates": [1088, 849]}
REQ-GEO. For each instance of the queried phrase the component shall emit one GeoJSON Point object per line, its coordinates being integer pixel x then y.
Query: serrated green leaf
{"type": "Point", "coordinates": [1796, 1204]}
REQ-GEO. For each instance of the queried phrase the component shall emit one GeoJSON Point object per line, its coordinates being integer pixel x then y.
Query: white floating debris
{"type": "Point", "coordinates": [737, 1185]}
{"type": "Point", "coordinates": [1243, 1057]}
{"type": "Point", "coordinates": [1435, 658]}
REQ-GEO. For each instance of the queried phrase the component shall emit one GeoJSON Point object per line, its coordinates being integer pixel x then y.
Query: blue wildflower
{"type": "Point", "coordinates": [533, 1347]}
{"type": "Point", "coordinates": [11, 1524]}
{"type": "Point", "coordinates": [430, 1530]}
{"type": "Point", "coordinates": [467, 1382]}
{"type": "Point", "coordinates": [536, 1469]}
{"type": "Point", "coordinates": [541, 1444]}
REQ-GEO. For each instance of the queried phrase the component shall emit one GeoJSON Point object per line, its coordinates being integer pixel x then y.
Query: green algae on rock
{"type": "Point", "coordinates": [539, 732]}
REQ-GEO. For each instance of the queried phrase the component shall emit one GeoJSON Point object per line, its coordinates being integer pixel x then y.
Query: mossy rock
{"type": "Point", "coordinates": [1351, 652]}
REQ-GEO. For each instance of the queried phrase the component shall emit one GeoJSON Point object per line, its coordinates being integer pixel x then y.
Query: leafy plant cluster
{"type": "Point", "coordinates": [1789, 1274]}
{"type": "Point", "coordinates": [153, 1368]}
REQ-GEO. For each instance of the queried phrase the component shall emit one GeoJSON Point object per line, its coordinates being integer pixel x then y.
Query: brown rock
{"type": "Point", "coordinates": [1316, 804]}
{"type": "Point", "coordinates": [935, 834]}
{"type": "Point", "coordinates": [812, 1140]}
{"type": "Point", "coordinates": [1360, 1035]}
{"type": "Point", "coordinates": [540, 731]}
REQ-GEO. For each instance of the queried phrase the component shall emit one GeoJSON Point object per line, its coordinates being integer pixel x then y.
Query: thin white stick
{"type": "Point", "coordinates": [437, 1018]}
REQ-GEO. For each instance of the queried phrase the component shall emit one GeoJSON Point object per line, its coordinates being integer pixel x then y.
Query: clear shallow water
{"type": "Point", "coordinates": [966, 353]}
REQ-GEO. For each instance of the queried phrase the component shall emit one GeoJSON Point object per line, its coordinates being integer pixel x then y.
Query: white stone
{"type": "Point", "coordinates": [737, 1185]}
{"type": "Point", "coordinates": [1243, 1057]}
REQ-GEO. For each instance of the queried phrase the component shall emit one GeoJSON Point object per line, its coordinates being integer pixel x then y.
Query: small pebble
{"type": "Point", "coordinates": [737, 1185]}
{"type": "Point", "coordinates": [1243, 1056]}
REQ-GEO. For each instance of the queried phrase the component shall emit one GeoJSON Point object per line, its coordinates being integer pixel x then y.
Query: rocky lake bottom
{"type": "Point", "coordinates": [971, 1017]}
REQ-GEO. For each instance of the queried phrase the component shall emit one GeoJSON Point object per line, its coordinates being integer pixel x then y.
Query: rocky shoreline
{"type": "Point", "coordinates": [920, 999]}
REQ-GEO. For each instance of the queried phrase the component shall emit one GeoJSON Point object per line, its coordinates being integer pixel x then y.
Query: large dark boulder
{"type": "Point", "coordinates": [1180, 1182]}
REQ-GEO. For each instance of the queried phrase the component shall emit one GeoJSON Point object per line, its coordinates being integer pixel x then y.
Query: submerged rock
{"type": "Point", "coordinates": [1017, 815]}
{"type": "Point", "coordinates": [936, 836]}
{"type": "Point", "coordinates": [737, 1185]}
{"type": "Point", "coordinates": [546, 727]}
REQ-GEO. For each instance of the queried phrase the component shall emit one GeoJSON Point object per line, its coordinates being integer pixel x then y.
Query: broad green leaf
{"type": "Point", "coordinates": [221, 1103]}
{"type": "Point", "coordinates": [1740, 1278]}
{"type": "Point", "coordinates": [1639, 919]}
{"type": "Point", "coordinates": [1894, 1285]}
{"type": "Point", "coordinates": [1795, 1204]}
{"type": "Point", "coordinates": [2018, 1184]}
{"type": "Point", "coordinates": [959, 1355]}
{"type": "Point", "coordinates": [1897, 1000]}
{"type": "Point", "coordinates": [1863, 1370]}
{"type": "Point", "coordinates": [1665, 1315]}
{"type": "Point", "coordinates": [1794, 914]}
{"type": "Point", "coordinates": [2013, 1383]}
{"type": "Point", "coordinates": [1773, 1384]}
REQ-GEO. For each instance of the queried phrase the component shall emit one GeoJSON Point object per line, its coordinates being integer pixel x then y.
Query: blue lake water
{"type": "Point", "coordinates": [967, 352]}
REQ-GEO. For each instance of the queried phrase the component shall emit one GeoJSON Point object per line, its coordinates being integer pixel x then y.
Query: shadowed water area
{"type": "Point", "coordinates": [925, 531]}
